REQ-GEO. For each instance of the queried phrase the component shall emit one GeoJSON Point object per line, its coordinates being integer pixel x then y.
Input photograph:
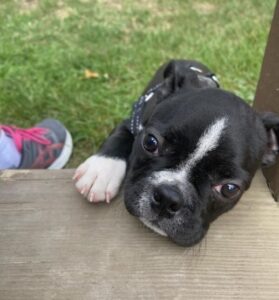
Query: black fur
{"type": "Point", "coordinates": [186, 103]}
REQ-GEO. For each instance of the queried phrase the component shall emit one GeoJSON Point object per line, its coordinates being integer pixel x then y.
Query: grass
{"type": "Point", "coordinates": [46, 46]}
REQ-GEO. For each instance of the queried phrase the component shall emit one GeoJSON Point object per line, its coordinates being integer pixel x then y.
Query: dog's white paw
{"type": "Point", "coordinates": [99, 178]}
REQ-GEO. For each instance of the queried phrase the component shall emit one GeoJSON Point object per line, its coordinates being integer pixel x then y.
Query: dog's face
{"type": "Point", "coordinates": [193, 160]}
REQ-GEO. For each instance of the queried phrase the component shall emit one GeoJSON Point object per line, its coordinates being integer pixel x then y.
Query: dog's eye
{"type": "Point", "coordinates": [150, 143]}
{"type": "Point", "coordinates": [228, 190]}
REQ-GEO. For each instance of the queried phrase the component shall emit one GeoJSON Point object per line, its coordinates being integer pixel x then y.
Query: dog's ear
{"type": "Point", "coordinates": [271, 123]}
{"type": "Point", "coordinates": [177, 77]}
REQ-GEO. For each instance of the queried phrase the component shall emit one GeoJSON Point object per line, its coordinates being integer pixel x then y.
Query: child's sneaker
{"type": "Point", "coordinates": [47, 145]}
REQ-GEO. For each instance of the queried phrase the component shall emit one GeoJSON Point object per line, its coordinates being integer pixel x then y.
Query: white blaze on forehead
{"type": "Point", "coordinates": [207, 142]}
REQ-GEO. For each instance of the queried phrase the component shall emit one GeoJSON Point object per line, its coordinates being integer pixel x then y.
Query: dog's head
{"type": "Point", "coordinates": [193, 160]}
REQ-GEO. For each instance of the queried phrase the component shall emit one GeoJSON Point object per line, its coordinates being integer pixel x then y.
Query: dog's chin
{"type": "Point", "coordinates": [153, 226]}
{"type": "Point", "coordinates": [177, 229]}
{"type": "Point", "coordinates": [180, 239]}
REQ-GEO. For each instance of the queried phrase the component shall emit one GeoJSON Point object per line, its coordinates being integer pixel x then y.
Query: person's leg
{"type": "Point", "coordinates": [9, 155]}
{"type": "Point", "coordinates": [47, 145]}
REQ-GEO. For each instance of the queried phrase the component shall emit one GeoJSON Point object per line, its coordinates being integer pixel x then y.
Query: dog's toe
{"type": "Point", "coordinates": [79, 172]}
{"type": "Point", "coordinates": [85, 181]}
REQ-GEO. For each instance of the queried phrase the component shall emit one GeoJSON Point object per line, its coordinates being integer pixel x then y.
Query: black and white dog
{"type": "Point", "coordinates": [188, 152]}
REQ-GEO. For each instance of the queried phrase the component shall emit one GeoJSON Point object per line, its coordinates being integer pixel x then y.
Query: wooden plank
{"type": "Point", "coordinates": [267, 94]}
{"type": "Point", "coordinates": [55, 245]}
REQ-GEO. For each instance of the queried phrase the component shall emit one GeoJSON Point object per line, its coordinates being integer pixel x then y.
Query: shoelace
{"type": "Point", "coordinates": [32, 134]}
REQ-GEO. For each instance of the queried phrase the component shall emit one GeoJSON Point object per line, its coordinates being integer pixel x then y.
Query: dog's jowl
{"type": "Point", "coordinates": [186, 155]}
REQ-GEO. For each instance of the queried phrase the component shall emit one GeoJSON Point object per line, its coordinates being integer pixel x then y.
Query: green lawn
{"type": "Point", "coordinates": [46, 46]}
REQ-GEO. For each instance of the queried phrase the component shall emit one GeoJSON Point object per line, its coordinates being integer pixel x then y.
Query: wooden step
{"type": "Point", "coordinates": [56, 245]}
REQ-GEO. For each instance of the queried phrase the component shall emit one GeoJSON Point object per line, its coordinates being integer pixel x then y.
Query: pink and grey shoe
{"type": "Point", "coordinates": [47, 145]}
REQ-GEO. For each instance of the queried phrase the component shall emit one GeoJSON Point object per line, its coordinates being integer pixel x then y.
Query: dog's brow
{"type": "Point", "coordinates": [207, 142]}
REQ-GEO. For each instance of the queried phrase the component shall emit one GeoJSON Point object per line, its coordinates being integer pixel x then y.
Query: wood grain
{"type": "Point", "coordinates": [267, 94]}
{"type": "Point", "coordinates": [55, 245]}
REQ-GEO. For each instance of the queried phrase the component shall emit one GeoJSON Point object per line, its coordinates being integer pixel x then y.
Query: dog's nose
{"type": "Point", "coordinates": [167, 200]}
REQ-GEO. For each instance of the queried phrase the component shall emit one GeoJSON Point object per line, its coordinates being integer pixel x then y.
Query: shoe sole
{"type": "Point", "coordinates": [66, 152]}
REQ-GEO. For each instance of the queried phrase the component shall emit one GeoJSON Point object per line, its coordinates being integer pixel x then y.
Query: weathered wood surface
{"type": "Point", "coordinates": [55, 245]}
{"type": "Point", "coordinates": [267, 94]}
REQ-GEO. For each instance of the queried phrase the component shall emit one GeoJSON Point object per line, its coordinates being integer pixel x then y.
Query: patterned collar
{"type": "Point", "coordinates": [136, 117]}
